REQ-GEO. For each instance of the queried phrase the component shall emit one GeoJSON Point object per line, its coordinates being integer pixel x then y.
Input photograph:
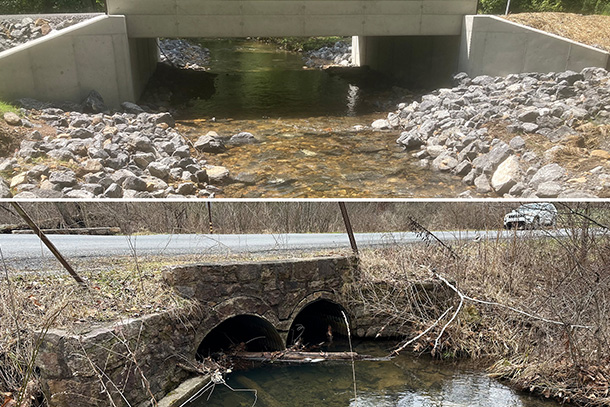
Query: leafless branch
{"type": "Point", "coordinates": [410, 341]}
{"type": "Point", "coordinates": [497, 304]}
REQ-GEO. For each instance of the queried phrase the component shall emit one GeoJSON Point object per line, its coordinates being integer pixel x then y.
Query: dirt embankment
{"type": "Point", "coordinates": [593, 30]}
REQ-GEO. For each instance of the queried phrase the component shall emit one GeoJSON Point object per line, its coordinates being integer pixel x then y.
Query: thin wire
{"type": "Point", "coordinates": [349, 338]}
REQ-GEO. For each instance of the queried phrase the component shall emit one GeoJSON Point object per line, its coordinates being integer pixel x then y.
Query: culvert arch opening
{"type": "Point", "coordinates": [319, 322]}
{"type": "Point", "coordinates": [244, 332]}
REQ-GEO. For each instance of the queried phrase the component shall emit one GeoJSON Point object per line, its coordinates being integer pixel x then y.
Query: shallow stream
{"type": "Point", "coordinates": [309, 126]}
{"type": "Point", "coordinates": [406, 380]}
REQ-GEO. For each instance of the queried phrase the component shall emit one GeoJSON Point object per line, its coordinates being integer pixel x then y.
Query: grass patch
{"type": "Point", "coordinates": [7, 107]}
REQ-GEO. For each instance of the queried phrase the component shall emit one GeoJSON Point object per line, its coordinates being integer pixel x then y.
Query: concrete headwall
{"type": "Point", "coordinates": [494, 46]}
{"type": "Point", "coordinates": [222, 18]}
{"type": "Point", "coordinates": [68, 64]}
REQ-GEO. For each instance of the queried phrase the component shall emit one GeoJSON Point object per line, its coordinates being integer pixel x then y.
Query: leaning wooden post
{"type": "Point", "coordinates": [348, 227]}
{"type": "Point", "coordinates": [210, 217]}
{"type": "Point", "coordinates": [47, 242]}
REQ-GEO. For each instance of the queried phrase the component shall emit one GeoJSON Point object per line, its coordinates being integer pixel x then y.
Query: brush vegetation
{"type": "Point", "coordinates": [544, 325]}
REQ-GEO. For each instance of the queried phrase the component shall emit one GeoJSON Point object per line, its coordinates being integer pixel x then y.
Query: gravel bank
{"type": "Point", "coordinates": [521, 136]}
{"type": "Point", "coordinates": [19, 29]}
{"type": "Point", "coordinates": [86, 151]}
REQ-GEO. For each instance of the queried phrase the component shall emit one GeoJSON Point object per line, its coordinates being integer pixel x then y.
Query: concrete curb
{"type": "Point", "coordinates": [185, 391]}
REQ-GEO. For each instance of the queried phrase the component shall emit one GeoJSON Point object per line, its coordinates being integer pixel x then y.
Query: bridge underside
{"type": "Point", "coordinates": [413, 61]}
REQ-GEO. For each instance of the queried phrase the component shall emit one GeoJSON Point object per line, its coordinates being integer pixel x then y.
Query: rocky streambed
{"type": "Point", "coordinates": [94, 153]}
{"type": "Point", "coordinates": [530, 135]}
{"type": "Point", "coordinates": [524, 136]}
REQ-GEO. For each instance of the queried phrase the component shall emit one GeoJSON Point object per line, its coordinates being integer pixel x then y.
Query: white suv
{"type": "Point", "coordinates": [531, 215]}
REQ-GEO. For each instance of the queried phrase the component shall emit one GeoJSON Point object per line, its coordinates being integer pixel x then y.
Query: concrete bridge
{"type": "Point", "coordinates": [420, 42]}
{"type": "Point", "coordinates": [281, 18]}
{"type": "Point", "coordinates": [415, 39]}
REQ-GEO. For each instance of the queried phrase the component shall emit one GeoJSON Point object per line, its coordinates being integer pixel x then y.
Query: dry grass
{"type": "Point", "coordinates": [31, 302]}
{"type": "Point", "coordinates": [562, 280]}
{"type": "Point", "coordinates": [593, 30]}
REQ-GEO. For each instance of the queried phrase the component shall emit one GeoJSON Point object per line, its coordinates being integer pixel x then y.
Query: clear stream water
{"type": "Point", "coordinates": [306, 123]}
{"type": "Point", "coordinates": [406, 381]}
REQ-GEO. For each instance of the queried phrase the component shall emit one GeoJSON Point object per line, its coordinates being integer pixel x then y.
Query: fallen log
{"type": "Point", "coordinates": [100, 231]}
{"type": "Point", "coordinates": [291, 356]}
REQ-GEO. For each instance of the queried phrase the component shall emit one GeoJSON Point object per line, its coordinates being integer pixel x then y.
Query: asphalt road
{"type": "Point", "coordinates": [17, 248]}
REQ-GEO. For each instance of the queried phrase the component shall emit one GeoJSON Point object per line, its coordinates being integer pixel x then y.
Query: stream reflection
{"type": "Point", "coordinates": [403, 381]}
{"type": "Point", "coordinates": [311, 127]}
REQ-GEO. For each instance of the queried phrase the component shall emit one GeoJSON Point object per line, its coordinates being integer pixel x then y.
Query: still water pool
{"type": "Point", "coordinates": [403, 381]}
{"type": "Point", "coordinates": [309, 127]}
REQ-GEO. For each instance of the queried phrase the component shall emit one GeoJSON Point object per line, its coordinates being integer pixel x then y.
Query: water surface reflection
{"type": "Point", "coordinates": [311, 128]}
{"type": "Point", "coordinates": [404, 381]}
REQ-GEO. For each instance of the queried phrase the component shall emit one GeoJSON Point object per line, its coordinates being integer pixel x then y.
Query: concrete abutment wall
{"type": "Point", "coordinates": [68, 64]}
{"type": "Point", "coordinates": [144, 56]}
{"type": "Point", "coordinates": [497, 47]}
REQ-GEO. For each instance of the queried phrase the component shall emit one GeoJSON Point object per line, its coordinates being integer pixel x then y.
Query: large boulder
{"type": "Point", "coordinates": [243, 138]}
{"type": "Point", "coordinates": [132, 108]}
{"type": "Point", "coordinates": [507, 175]}
{"type": "Point", "coordinates": [548, 189]}
{"type": "Point", "coordinates": [62, 178]}
{"type": "Point", "coordinates": [380, 124]}
{"type": "Point", "coordinates": [94, 103]}
{"type": "Point", "coordinates": [481, 183]}
{"type": "Point", "coordinates": [209, 144]}
{"type": "Point", "coordinates": [548, 173]}
{"type": "Point", "coordinates": [410, 139]}
{"type": "Point", "coordinates": [12, 119]}
{"type": "Point", "coordinates": [217, 174]}
{"type": "Point", "coordinates": [444, 162]}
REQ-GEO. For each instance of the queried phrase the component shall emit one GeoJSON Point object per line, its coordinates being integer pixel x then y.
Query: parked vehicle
{"type": "Point", "coordinates": [531, 216]}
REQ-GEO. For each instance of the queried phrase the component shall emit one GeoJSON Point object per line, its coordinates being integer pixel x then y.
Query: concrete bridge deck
{"type": "Point", "coordinates": [264, 18]}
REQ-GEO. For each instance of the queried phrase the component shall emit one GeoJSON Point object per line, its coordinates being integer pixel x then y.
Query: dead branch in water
{"type": "Point", "coordinates": [301, 357]}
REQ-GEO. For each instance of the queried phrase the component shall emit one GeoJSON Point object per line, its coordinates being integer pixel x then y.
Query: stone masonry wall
{"type": "Point", "coordinates": [276, 290]}
{"type": "Point", "coordinates": [140, 357]}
